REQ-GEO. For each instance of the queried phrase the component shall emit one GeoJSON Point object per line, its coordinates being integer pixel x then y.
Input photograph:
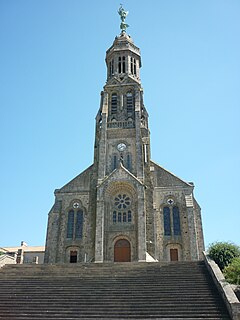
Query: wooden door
{"type": "Point", "coordinates": [174, 254]}
{"type": "Point", "coordinates": [73, 256]}
{"type": "Point", "coordinates": [122, 251]}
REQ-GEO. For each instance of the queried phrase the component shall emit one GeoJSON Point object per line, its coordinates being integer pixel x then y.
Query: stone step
{"type": "Point", "coordinates": [115, 311]}
{"type": "Point", "coordinates": [109, 291]}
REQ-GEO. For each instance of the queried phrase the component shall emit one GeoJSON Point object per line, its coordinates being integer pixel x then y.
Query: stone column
{"type": "Point", "coordinates": [53, 232]}
{"type": "Point", "coordinates": [139, 151]}
{"type": "Point", "coordinates": [192, 234]}
{"type": "Point", "coordinates": [99, 229]}
{"type": "Point", "coordinates": [103, 140]}
{"type": "Point", "coordinates": [141, 225]}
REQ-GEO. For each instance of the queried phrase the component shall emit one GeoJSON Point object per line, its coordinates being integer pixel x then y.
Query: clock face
{"type": "Point", "coordinates": [121, 147]}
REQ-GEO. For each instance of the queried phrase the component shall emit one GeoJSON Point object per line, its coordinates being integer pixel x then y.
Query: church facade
{"type": "Point", "coordinates": [124, 207]}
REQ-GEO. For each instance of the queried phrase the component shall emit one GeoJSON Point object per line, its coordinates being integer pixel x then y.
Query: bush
{"type": "Point", "coordinates": [223, 253]}
{"type": "Point", "coordinates": [232, 271]}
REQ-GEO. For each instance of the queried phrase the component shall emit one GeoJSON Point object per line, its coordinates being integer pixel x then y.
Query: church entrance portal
{"type": "Point", "coordinates": [122, 251]}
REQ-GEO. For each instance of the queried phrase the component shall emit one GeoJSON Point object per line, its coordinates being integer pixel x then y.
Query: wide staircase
{"type": "Point", "coordinates": [182, 290]}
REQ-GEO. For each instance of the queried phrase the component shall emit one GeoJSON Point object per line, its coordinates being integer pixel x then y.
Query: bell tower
{"type": "Point", "coordinates": [122, 134]}
{"type": "Point", "coordinates": [123, 140]}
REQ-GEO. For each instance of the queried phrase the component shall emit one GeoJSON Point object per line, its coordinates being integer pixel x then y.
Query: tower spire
{"type": "Point", "coordinates": [123, 14]}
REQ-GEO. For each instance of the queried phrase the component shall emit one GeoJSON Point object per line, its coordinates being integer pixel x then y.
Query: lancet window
{"type": "Point", "coordinates": [129, 102]}
{"type": "Point", "coordinates": [70, 225]}
{"type": "Point", "coordinates": [121, 64]}
{"type": "Point", "coordinates": [176, 222]}
{"type": "Point", "coordinates": [114, 161]}
{"type": "Point", "coordinates": [75, 224]}
{"type": "Point", "coordinates": [171, 221]}
{"type": "Point", "coordinates": [114, 103]}
{"type": "Point", "coordinates": [133, 66]}
{"type": "Point", "coordinates": [111, 68]}
{"type": "Point", "coordinates": [129, 162]}
{"type": "Point", "coordinates": [167, 221]}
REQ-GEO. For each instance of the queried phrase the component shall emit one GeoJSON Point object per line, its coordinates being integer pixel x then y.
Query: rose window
{"type": "Point", "coordinates": [122, 201]}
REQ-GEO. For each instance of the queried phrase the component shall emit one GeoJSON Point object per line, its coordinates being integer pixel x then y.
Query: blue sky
{"type": "Point", "coordinates": [52, 71]}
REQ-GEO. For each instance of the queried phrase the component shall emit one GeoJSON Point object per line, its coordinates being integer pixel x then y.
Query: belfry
{"type": "Point", "coordinates": [124, 207]}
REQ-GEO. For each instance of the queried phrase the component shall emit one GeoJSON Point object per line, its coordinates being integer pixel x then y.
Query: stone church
{"type": "Point", "coordinates": [124, 207]}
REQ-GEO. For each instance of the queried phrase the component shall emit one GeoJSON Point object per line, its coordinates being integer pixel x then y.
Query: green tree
{"type": "Point", "coordinates": [232, 271]}
{"type": "Point", "coordinates": [223, 253]}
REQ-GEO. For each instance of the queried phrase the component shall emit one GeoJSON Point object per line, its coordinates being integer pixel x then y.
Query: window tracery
{"type": "Point", "coordinates": [75, 222]}
{"type": "Point", "coordinates": [122, 212]}
{"type": "Point", "coordinates": [171, 219]}
{"type": "Point", "coordinates": [122, 201]}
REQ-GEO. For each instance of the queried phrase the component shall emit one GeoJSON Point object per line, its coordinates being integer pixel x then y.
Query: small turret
{"type": "Point", "coordinates": [123, 57]}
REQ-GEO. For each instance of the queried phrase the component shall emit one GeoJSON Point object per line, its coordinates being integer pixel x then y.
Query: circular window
{"type": "Point", "coordinates": [76, 205]}
{"type": "Point", "coordinates": [170, 201]}
{"type": "Point", "coordinates": [122, 201]}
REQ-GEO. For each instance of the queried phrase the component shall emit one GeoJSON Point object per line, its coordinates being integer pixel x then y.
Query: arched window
{"type": "Point", "coordinates": [121, 64]}
{"type": "Point", "coordinates": [119, 217]}
{"type": "Point", "coordinates": [114, 216]}
{"type": "Point", "coordinates": [114, 103]}
{"type": "Point", "coordinates": [134, 67]}
{"type": "Point", "coordinates": [111, 68]}
{"type": "Point", "coordinates": [114, 162]}
{"type": "Point", "coordinates": [171, 218]}
{"type": "Point", "coordinates": [129, 102]}
{"type": "Point", "coordinates": [75, 222]}
{"type": "Point", "coordinates": [167, 221]}
{"type": "Point", "coordinates": [79, 225]}
{"type": "Point", "coordinates": [129, 162]}
{"type": "Point", "coordinates": [129, 216]}
{"type": "Point", "coordinates": [122, 214]}
{"type": "Point", "coordinates": [176, 222]}
{"type": "Point", "coordinates": [70, 224]}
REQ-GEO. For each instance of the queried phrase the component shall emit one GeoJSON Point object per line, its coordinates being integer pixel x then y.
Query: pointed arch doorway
{"type": "Point", "coordinates": [122, 251]}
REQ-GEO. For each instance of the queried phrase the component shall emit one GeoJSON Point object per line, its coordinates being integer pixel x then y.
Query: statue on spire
{"type": "Point", "coordinates": [123, 14]}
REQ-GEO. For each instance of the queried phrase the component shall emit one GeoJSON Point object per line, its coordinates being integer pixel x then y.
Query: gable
{"type": "Point", "coordinates": [120, 174]}
{"type": "Point", "coordinates": [164, 178]}
{"type": "Point", "coordinates": [79, 183]}
{"type": "Point", "coordinates": [122, 80]}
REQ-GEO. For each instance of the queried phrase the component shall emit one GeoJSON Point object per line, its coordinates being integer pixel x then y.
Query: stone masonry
{"type": "Point", "coordinates": [124, 207]}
